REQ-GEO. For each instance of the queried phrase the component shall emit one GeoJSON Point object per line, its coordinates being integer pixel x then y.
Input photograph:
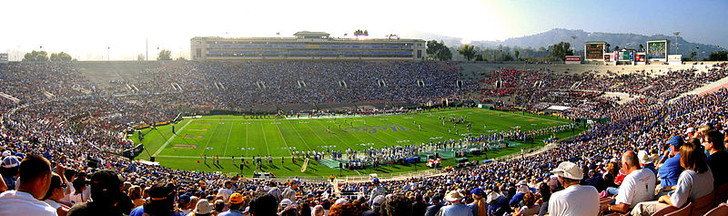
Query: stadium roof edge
{"type": "Point", "coordinates": [293, 38]}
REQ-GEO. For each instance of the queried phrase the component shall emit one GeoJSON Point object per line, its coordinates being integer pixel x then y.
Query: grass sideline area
{"type": "Point", "coordinates": [236, 136]}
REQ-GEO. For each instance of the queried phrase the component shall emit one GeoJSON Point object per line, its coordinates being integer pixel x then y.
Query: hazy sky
{"type": "Point", "coordinates": [87, 28]}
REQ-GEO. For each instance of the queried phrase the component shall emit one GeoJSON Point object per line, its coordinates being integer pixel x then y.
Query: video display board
{"type": "Point", "coordinates": [657, 49]}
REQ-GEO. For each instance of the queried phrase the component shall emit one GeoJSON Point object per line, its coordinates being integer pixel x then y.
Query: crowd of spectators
{"type": "Point", "coordinates": [537, 89]}
{"type": "Point", "coordinates": [47, 141]}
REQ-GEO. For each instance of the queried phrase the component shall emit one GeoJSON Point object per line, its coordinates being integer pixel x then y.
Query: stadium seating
{"type": "Point", "coordinates": [86, 116]}
{"type": "Point", "coordinates": [672, 211]}
{"type": "Point", "coordinates": [721, 210]}
{"type": "Point", "coordinates": [721, 194]}
{"type": "Point", "coordinates": [703, 204]}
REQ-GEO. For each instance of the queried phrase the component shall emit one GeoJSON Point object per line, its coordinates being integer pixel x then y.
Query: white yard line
{"type": "Point", "coordinates": [170, 139]}
{"type": "Point", "coordinates": [228, 139]}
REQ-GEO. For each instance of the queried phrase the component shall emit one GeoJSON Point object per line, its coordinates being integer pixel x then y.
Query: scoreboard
{"type": "Point", "coordinates": [594, 51]}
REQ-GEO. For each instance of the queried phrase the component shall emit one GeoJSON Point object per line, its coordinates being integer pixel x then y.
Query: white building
{"type": "Point", "coordinates": [306, 46]}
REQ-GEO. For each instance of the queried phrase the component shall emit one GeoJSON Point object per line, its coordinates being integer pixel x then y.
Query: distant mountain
{"type": "Point", "coordinates": [623, 40]}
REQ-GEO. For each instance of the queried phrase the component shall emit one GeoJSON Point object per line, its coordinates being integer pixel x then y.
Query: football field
{"type": "Point", "coordinates": [233, 137]}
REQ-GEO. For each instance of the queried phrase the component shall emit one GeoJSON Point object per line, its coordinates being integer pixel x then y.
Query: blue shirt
{"type": "Point", "coordinates": [139, 211]}
{"type": "Point", "coordinates": [670, 171]}
{"type": "Point", "coordinates": [456, 209]}
{"type": "Point", "coordinates": [499, 207]}
{"type": "Point", "coordinates": [516, 199]}
{"type": "Point", "coordinates": [231, 213]}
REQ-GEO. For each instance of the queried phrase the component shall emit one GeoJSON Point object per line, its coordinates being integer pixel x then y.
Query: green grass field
{"type": "Point", "coordinates": [227, 136]}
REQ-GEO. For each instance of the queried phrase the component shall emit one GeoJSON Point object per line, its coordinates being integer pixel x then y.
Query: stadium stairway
{"type": "Point", "coordinates": [706, 89]}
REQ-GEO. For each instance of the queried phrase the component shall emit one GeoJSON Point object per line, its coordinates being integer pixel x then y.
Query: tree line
{"type": "Point", "coordinates": [42, 56]}
{"type": "Point", "coordinates": [556, 52]}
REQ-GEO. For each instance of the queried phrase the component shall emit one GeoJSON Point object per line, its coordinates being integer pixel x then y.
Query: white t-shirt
{"type": "Point", "coordinates": [575, 200]}
{"type": "Point", "coordinates": [52, 203]}
{"type": "Point", "coordinates": [691, 186]}
{"type": "Point", "coordinates": [71, 190]}
{"type": "Point", "coordinates": [76, 198]}
{"type": "Point", "coordinates": [637, 187]}
{"type": "Point", "coordinates": [14, 202]}
{"type": "Point", "coordinates": [225, 192]}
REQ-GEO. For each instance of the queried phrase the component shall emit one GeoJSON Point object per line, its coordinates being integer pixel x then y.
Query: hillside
{"type": "Point", "coordinates": [623, 40]}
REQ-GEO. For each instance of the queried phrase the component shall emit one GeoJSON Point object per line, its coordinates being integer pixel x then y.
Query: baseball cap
{"type": "Point", "coordinates": [236, 198]}
{"type": "Point", "coordinates": [375, 180]}
{"type": "Point", "coordinates": [184, 199]}
{"type": "Point", "coordinates": [492, 196]}
{"type": "Point", "coordinates": [161, 190]}
{"type": "Point", "coordinates": [106, 179]}
{"type": "Point", "coordinates": [478, 191]}
{"type": "Point", "coordinates": [676, 141]}
{"type": "Point", "coordinates": [286, 202]}
{"type": "Point", "coordinates": [568, 170]}
{"type": "Point", "coordinates": [203, 207]}
{"type": "Point", "coordinates": [10, 162]}
{"type": "Point", "coordinates": [7, 153]}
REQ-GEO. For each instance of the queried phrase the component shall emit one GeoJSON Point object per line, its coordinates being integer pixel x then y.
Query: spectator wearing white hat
{"type": "Point", "coordinates": [456, 207]}
{"type": "Point", "coordinates": [203, 208]}
{"type": "Point", "coordinates": [284, 203]}
{"type": "Point", "coordinates": [574, 199]}
{"type": "Point", "coordinates": [647, 161]}
{"type": "Point", "coordinates": [497, 203]}
{"type": "Point", "coordinates": [9, 170]}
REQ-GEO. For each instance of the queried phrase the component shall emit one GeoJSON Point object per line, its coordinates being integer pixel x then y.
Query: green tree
{"type": "Point", "coordinates": [718, 56]}
{"type": "Point", "coordinates": [61, 57]}
{"type": "Point", "coordinates": [693, 54]}
{"type": "Point", "coordinates": [444, 54]}
{"type": "Point", "coordinates": [360, 32]}
{"type": "Point", "coordinates": [164, 55]}
{"type": "Point", "coordinates": [36, 56]}
{"type": "Point", "coordinates": [433, 47]}
{"type": "Point", "coordinates": [468, 51]}
{"type": "Point", "coordinates": [438, 50]}
{"type": "Point", "coordinates": [560, 51]}
{"type": "Point", "coordinates": [507, 57]}
{"type": "Point", "coordinates": [517, 54]}
{"type": "Point", "coordinates": [181, 59]}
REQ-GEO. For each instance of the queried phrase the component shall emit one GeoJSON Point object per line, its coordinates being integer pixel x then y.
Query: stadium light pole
{"type": "Point", "coordinates": [677, 44]}
{"type": "Point", "coordinates": [108, 53]}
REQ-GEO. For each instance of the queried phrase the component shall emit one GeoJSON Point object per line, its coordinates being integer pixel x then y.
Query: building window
{"type": "Point", "coordinates": [419, 53]}
{"type": "Point", "coordinates": [199, 52]}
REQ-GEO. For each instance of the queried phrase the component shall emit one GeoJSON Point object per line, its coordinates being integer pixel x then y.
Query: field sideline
{"type": "Point", "coordinates": [235, 136]}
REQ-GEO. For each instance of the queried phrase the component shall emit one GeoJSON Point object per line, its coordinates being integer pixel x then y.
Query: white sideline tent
{"type": "Point", "coordinates": [558, 108]}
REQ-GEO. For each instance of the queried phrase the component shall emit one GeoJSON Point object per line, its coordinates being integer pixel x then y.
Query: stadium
{"type": "Point", "coordinates": [328, 121]}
